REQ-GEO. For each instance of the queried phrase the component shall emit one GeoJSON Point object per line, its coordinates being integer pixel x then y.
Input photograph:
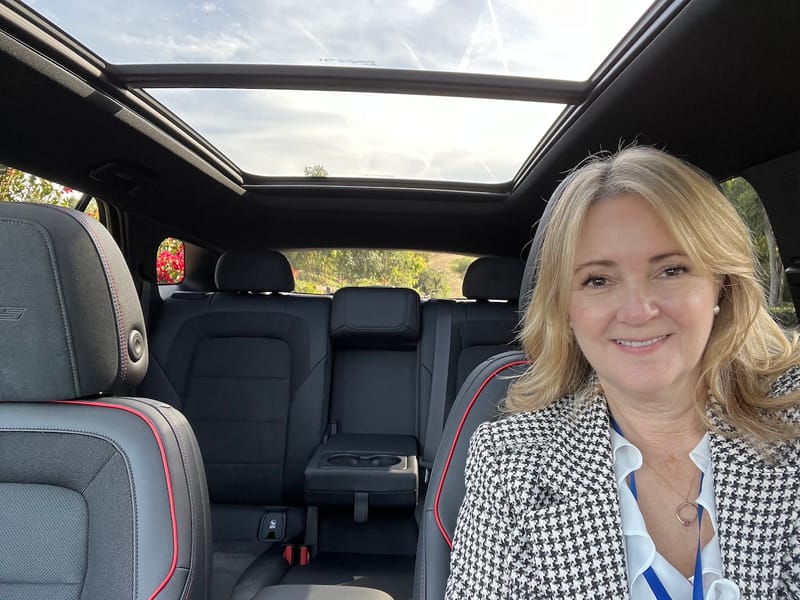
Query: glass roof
{"type": "Point", "coordinates": [365, 135]}
{"type": "Point", "coordinates": [273, 132]}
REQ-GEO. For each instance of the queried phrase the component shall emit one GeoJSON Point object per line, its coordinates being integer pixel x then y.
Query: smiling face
{"type": "Point", "coordinates": [641, 312]}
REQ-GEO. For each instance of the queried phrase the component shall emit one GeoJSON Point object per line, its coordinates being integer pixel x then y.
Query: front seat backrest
{"type": "Point", "coordinates": [477, 401]}
{"type": "Point", "coordinates": [100, 496]}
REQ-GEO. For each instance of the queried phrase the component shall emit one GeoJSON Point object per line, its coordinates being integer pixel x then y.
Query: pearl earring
{"type": "Point", "coordinates": [716, 309]}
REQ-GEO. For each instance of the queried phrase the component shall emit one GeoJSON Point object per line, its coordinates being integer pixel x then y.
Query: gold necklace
{"type": "Point", "coordinates": [686, 511]}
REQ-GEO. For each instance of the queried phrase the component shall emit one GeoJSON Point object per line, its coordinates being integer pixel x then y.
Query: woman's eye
{"type": "Point", "coordinates": [675, 271]}
{"type": "Point", "coordinates": [595, 281]}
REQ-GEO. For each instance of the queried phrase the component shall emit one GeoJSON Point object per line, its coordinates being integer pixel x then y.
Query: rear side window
{"type": "Point", "coordinates": [170, 261]}
{"type": "Point", "coordinates": [773, 278]}
{"type": "Point", "coordinates": [19, 186]}
{"type": "Point", "coordinates": [432, 274]}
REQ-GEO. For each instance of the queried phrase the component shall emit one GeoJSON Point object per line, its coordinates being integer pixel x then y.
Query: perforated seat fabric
{"type": "Point", "coordinates": [99, 497]}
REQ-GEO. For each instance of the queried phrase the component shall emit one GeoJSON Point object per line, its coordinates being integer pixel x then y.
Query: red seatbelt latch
{"type": "Point", "coordinates": [304, 556]}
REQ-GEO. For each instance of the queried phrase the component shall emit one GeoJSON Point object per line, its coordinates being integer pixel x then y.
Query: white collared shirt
{"type": "Point", "coordinates": [640, 551]}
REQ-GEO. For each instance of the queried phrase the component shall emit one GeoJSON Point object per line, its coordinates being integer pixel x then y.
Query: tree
{"type": "Point", "coordinates": [459, 265]}
{"type": "Point", "coordinates": [315, 171]}
{"type": "Point", "coordinates": [742, 195]}
{"type": "Point", "coordinates": [433, 283]}
{"type": "Point", "coordinates": [324, 270]}
{"type": "Point", "coordinates": [18, 186]}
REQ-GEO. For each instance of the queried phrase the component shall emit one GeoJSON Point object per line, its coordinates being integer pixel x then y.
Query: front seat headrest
{"type": "Point", "coordinates": [70, 321]}
{"type": "Point", "coordinates": [531, 274]}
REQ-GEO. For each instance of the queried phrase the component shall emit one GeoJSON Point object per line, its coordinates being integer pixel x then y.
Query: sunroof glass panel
{"type": "Point", "coordinates": [281, 133]}
{"type": "Point", "coordinates": [559, 39]}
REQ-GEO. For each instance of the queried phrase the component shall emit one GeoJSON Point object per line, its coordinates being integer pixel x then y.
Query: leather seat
{"type": "Point", "coordinates": [101, 496]}
{"type": "Point", "coordinates": [477, 401]}
{"type": "Point", "coordinates": [249, 365]}
{"type": "Point", "coordinates": [457, 336]}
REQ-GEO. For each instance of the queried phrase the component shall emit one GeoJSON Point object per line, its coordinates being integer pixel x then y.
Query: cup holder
{"type": "Point", "coordinates": [363, 460]}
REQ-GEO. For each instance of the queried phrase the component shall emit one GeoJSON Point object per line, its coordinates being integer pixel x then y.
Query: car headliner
{"type": "Point", "coordinates": [710, 80]}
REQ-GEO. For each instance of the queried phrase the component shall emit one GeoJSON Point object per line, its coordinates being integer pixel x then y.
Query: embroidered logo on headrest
{"type": "Point", "coordinates": [11, 313]}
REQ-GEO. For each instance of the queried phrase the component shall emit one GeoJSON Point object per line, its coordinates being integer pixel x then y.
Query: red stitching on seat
{"type": "Point", "coordinates": [152, 427]}
{"type": "Point", "coordinates": [453, 447]}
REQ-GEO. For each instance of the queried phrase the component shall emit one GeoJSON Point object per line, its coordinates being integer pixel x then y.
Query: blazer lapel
{"type": "Point", "coordinates": [757, 504]}
{"type": "Point", "coordinates": [578, 537]}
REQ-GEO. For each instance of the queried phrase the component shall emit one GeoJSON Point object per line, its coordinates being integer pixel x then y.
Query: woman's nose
{"type": "Point", "coordinates": [637, 305]}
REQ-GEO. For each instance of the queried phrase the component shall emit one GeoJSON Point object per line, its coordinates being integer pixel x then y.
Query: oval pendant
{"type": "Point", "coordinates": [686, 513]}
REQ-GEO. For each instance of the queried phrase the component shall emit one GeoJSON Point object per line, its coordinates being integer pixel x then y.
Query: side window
{"type": "Point", "coordinates": [776, 288]}
{"type": "Point", "coordinates": [170, 261]}
{"type": "Point", "coordinates": [18, 186]}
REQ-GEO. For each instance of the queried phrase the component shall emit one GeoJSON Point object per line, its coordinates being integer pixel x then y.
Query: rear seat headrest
{"type": "Point", "coordinates": [493, 278]}
{"type": "Point", "coordinates": [70, 321]}
{"type": "Point", "coordinates": [253, 271]}
{"type": "Point", "coordinates": [373, 316]}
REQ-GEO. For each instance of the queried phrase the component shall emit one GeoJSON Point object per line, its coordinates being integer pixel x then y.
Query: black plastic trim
{"type": "Point", "coordinates": [350, 79]}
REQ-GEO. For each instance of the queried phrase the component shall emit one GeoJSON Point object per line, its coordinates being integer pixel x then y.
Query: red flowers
{"type": "Point", "coordinates": [170, 261]}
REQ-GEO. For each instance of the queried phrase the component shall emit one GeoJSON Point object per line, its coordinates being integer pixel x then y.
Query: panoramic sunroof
{"type": "Point", "coordinates": [365, 135]}
{"type": "Point", "coordinates": [279, 132]}
{"type": "Point", "coordinates": [557, 39]}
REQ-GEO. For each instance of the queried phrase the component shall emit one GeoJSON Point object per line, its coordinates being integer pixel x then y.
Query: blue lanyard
{"type": "Point", "coordinates": [659, 591]}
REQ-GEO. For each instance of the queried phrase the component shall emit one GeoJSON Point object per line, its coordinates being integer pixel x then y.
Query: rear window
{"type": "Point", "coordinates": [431, 274]}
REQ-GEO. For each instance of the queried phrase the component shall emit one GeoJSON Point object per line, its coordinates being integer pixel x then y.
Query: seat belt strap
{"type": "Point", "coordinates": [439, 383]}
{"type": "Point", "coordinates": [150, 300]}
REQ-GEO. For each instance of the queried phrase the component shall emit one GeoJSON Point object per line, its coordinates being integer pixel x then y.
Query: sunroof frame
{"type": "Point", "coordinates": [125, 83]}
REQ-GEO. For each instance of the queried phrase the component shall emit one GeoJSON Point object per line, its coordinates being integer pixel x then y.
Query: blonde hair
{"type": "Point", "coordinates": [746, 349]}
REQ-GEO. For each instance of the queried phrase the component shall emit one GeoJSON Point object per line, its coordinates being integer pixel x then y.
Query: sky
{"type": "Point", "coordinates": [277, 132]}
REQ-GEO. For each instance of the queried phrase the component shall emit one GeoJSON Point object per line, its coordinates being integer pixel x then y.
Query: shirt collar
{"type": "Point", "coordinates": [640, 551]}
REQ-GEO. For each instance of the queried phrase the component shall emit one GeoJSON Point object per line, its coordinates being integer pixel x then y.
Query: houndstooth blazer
{"type": "Point", "coordinates": [541, 517]}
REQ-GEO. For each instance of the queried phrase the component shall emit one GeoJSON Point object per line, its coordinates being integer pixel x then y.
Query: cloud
{"type": "Point", "coordinates": [357, 135]}
{"type": "Point", "coordinates": [560, 39]}
{"type": "Point", "coordinates": [209, 7]}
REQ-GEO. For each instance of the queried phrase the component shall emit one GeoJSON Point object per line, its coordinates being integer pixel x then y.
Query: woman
{"type": "Point", "coordinates": [651, 450]}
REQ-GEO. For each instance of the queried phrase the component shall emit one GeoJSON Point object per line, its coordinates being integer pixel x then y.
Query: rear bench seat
{"type": "Point", "coordinates": [251, 372]}
{"type": "Point", "coordinates": [265, 378]}
{"type": "Point", "coordinates": [385, 371]}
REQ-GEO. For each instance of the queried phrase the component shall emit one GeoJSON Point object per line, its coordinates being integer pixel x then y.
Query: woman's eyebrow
{"type": "Point", "coordinates": [595, 263]}
{"type": "Point", "coordinates": [610, 263]}
{"type": "Point", "coordinates": [660, 257]}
